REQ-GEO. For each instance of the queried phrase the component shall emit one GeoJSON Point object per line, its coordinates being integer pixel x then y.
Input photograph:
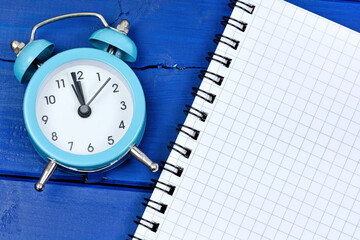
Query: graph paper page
{"type": "Point", "coordinates": [278, 154]}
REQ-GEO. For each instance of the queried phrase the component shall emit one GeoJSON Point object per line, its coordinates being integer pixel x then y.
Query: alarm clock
{"type": "Point", "coordinates": [84, 108]}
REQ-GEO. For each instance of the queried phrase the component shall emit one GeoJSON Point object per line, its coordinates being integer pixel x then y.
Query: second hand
{"type": "Point", "coordinates": [98, 91]}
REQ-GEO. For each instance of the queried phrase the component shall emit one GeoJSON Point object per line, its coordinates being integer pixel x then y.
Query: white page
{"type": "Point", "coordinates": [278, 154]}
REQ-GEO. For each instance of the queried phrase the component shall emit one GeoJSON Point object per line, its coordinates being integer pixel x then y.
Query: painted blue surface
{"type": "Point", "coordinates": [132, 136]}
{"type": "Point", "coordinates": [66, 211]}
{"type": "Point", "coordinates": [102, 38]}
{"type": "Point", "coordinates": [173, 38]}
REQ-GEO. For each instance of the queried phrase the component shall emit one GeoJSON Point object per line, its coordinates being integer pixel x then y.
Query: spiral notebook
{"type": "Point", "coordinates": [270, 148]}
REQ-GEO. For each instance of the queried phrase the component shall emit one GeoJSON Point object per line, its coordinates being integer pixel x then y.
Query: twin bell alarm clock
{"type": "Point", "coordinates": [84, 108]}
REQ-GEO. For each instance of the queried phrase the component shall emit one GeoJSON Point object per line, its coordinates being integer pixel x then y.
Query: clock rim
{"type": "Point", "coordinates": [98, 161]}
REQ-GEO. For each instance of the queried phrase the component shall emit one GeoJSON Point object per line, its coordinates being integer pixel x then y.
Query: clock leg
{"type": "Point", "coordinates": [139, 155]}
{"type": "Point", "coordinates": [48, 171]}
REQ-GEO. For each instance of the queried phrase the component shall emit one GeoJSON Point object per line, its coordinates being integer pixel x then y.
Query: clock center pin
{"type": "Point", "coordinates": [84, 111]}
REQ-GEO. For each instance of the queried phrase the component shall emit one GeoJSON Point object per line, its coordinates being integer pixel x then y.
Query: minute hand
{"type": "Point", "coordinates": [77, 89]}
{"type": "Point", "coordinates": [98, 91]}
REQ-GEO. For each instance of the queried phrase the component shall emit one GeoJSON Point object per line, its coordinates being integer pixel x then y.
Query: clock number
{"type": "Point", "coordinates": [123, 107]}
{"type": "Point", "coordinates": [80, 75]}
{"type": "Point", "coordinates": [110, 140]}
{"type": "Point", "coordinates": [71, 145]}
{"type": "Point", "coordinates": [98, 76]}
{"type": "Point", "coordinates": [122, 125]}
{"type": "Point", "coordinates": [115, 86]}
{"type": "Point", "coordinates": [54, 137]}
{"type": "Point", "coordinates": [45, 119]}
{"type": "Point", "coordinates": [60, 83]}
{"type": "Point", "coordinates": [50, 99]}
{"type": "Point", "coordinates": [90, 148]}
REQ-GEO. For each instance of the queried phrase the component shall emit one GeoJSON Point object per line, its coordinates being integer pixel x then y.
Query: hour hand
{"type": "Point", "coordinates": [77, 89]}
{"type": "Point", "coordinates": [77, 95]}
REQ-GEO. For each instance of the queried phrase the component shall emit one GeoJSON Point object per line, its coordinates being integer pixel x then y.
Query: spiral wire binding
{"type": "Point", "coordinates": [215, 78]}
{"type": "Point", "coordinates": [209, 97]}
{"type": "Point", "coordinates": [153, 226]}
{"type": "Point", "coordinates": [247, 7]}
{"type": "Point", "coordinates": [196, 112]}
{"type": "Point", "coordinates": [219, 58]}
{"type": "Point", "coordinates": [234, 44]}
{"type": "Point", "coordinates": [240, 25]}
{"type": "Point", "coordinates": [180, 149]}
{"type": "Point", "coordinates": [178, 172]}
{"type": "Point", "coordinates": [201, 115]}
{"type": "Point", "coordinates": [161, 208]}
{"type": "Point", "coordinates": [191, 132]}
{"type": "Point", "coordinates": [170, 188]}
{"type": "Point", "coordinates": [134, 237]}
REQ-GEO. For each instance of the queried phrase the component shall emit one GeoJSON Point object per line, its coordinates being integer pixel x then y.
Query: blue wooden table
{"type": "Point", "coordinates": [173, 38]}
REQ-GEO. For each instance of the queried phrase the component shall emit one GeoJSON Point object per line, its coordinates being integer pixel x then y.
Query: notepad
{"type": "Point", "coordinates": [270, 148]}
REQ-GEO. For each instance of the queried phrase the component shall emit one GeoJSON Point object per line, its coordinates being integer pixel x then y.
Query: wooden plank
{"type": "Point", "coordinates": [161, 38]}
{"type": "Point", "coordinates": [67, 211]}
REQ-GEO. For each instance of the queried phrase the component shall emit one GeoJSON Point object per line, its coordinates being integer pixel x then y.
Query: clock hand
{"type": "Point", "coordinates": [77, 89]}
{"type": "Point", "coordinates": [77, 95]}
{"type": "Point", "coordinates": [81, 91]}
{"type": "Point", "coordinates": [84, 110]}
{"type": "Point", "coordinates": [98, 91]}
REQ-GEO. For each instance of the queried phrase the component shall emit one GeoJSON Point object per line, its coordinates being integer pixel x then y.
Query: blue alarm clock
{"type": "Point", "coordinates": [84, 108]}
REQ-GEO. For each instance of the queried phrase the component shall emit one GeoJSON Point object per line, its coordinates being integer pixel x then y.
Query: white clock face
{"type": "Point", "coordinates": [84, 107]}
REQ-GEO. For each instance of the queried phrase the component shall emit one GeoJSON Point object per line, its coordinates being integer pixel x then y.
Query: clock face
{"type": "Point", "coordinates": [84, 107]}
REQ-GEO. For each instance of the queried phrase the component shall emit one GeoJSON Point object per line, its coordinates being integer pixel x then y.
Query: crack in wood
{"type": "Point", "coordinates": [161, 66]}
{"type": "Point", "coordinates": [120, 14]}
{"type": "Point", "coordinates": [14, 177]}
{"type": "Point", "coordinates": [6, 60]}
{"type": "Point", "coordinates": [154, 66]}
